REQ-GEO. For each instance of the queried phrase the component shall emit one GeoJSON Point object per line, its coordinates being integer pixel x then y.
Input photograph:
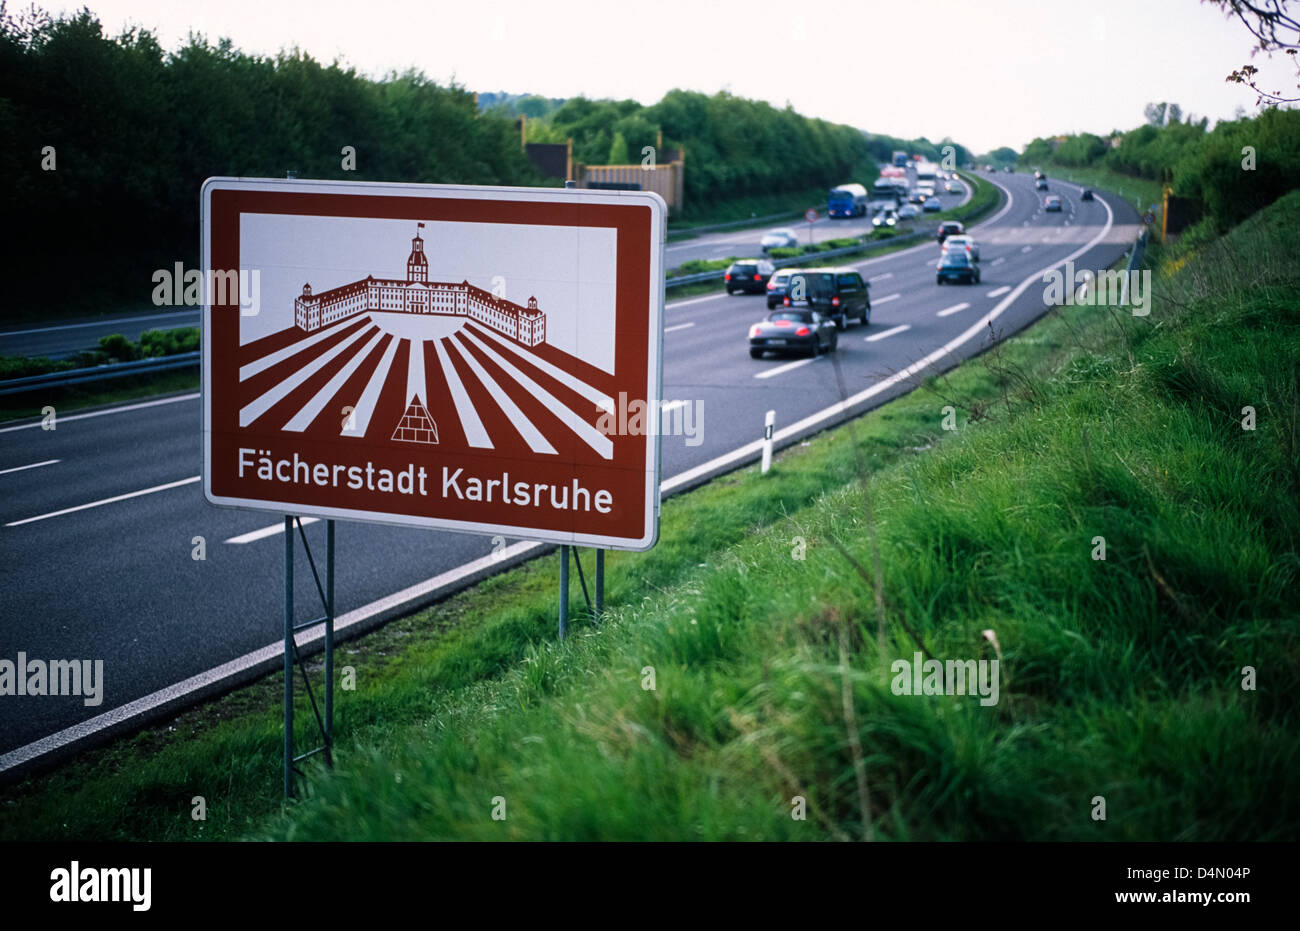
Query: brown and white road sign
{"type": "Point", "coordinates": [478, 359]}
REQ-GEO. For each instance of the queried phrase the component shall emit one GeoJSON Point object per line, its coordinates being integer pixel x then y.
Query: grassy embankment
{"type": "Point", "coordinates": [1120, 678]}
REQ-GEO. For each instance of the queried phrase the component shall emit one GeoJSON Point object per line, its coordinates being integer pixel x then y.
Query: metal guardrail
{"type": "Point", "coordinates": [99, 373]}
{"type": "Point", "coordinates": [734, 224]}
{"type": "Point", "coordinates": [1134, 261]}
{"type": "Point", "coordinates": [801, 259]}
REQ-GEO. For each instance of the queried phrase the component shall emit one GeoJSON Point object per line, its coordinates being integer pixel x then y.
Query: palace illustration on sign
{"type": "Point", "coordinates": [472, 359]}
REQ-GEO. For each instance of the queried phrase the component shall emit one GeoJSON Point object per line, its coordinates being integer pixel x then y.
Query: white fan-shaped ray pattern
{"type": "Point", "coordinates": [507, 378]}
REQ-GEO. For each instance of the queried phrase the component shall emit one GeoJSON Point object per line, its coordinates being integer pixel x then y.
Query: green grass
{"type": "Point", "coordinates": [1120, 678]}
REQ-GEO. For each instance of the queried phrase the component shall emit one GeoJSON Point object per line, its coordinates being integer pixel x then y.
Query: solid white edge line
{"type": "Point", "coordinates": [112, 410]}
{"type": "Point", "coordinates": [44, 745]}
{"type": "Point", "coordinates": [34, 465]}
{"type": "Point", "coordinates": [95, 504]}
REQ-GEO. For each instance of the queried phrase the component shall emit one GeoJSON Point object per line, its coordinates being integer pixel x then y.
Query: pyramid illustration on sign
{"type": "Point", "coordinates": [416, 426]}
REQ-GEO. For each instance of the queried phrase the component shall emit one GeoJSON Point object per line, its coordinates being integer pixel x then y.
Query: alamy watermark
{"type": "Point", "coordinates": [178, 287]}
{"type": "Point", "coordinates": [54, 677]}
{"type": "Point", "coordinates": [632, 418]}
{"type": "Point", "coordinates": [955, 677]}
{"type": "Point", "coordinates": [1111, 287]}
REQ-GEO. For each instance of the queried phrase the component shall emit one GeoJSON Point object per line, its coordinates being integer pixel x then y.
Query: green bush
{"type": "Point", "coordinates": [169, 342]}
{"type": "Point", "coordinates": [785, 253]}
{"type": "Point", "coordinates": [22, 367]}
{"type": "Point", "coordinates": [118, 348]}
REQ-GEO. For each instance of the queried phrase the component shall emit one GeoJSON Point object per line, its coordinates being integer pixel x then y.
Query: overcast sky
{"type": "Point", "coordinates": [996, 72]}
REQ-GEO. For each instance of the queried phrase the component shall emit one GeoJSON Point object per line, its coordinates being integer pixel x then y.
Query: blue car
{"type": "Point", "coordinates": [957, 266]}
{"type": "Point", "coordinates": [932, 205]}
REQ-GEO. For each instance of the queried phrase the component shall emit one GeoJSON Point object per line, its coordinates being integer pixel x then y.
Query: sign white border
{"type": "Point", "coordinates": [654, 372]}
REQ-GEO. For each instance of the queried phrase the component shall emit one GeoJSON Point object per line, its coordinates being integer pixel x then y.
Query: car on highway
{"type": "Point", "coordinates": [957, 266]}
{"type": "Point", "coordinates": [1040, 184]}
{"type": "Point", "coordinates": [885, 218]}
{"type": "Point", "coordinates": [748, 275]}
{"type": "Point", "coordinates": [1086, 195]}
{"type": "Point", "coordinates": [840, 294]}
{"type": "Point", "coordinates": [915, 196]}
{"type": "Point", "coordinates": [778, 285]}
{"type": "Point", "coordinates": [963, 242]}
{"type": "Point", "coordinates": [908, 212]}
{"type": "Point", "coordinates": [932, 205]}
{"type": "Point", "coordinates": [1008, 169]}
{"type": "Point", "coordinates": [789, 330]}
{"type": "Point", "coordinates": [952, 187]}
{"type": "Point", "coordinates": [779, 239]}
{"type": "Point", "coordinates": [1052, 203]}
{"type": "Point", "coordinates": [949, 228]}
{"type": "Point", "coordinates": [1038, 175]}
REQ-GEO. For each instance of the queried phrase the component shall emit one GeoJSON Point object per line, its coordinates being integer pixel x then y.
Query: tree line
{"type": "Point", "coordinates": [1233, 170]}
{"type": "Point", "coordinates": [108, 140]}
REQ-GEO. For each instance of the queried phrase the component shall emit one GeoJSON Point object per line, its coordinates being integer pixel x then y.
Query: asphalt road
{"type": "Point", "coordinates": [98, 517]}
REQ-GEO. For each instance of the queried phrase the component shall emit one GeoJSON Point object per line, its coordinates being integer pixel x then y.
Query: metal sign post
{"type": "Point", "coordinates": [451, 357]}
{"type": "Point", "coordinates": [291, 655]}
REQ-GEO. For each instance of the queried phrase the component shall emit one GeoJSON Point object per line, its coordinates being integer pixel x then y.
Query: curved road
{"type": "Point", "coordinates": [98, 516]}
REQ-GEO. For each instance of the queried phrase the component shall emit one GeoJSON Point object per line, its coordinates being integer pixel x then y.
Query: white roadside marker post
{"type": "Point", "coordinates": [768, 424]}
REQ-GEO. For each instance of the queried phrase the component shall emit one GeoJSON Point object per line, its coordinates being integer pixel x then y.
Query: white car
{"type": "Point", "coordinates": [953, 243]}
{"type": "Point", "coordinates": [779, 239]}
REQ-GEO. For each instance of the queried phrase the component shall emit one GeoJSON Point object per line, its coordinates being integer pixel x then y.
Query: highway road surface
{"type": "Point", "coordinates": [68, 337]}
{"type": "Point", "coordinates": [98, 517]}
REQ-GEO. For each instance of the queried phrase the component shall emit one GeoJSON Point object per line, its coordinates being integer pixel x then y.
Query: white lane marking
{"type": "Point", "coordinates": [996, 262]}
{"type": "Point", "coordinates": [255, 535]}
{"type": "Point", "coordinates": [784, 368]}
{"type": "Point", "coordinates": [95, 504]}
{"type": "Point", "coordinates": [1026, 248]}
{"type": "Point", "coordinates": [34, 465]}
{"type": "Point", "coordinates": [890, 332]}
{"type": "Point", "coordinates": [112, 321]}
{"type": "Point", "coordinates": [954, 309]}
{"type": "Point", "coordinates": [672, 406]}
{"type": "Point", "coordinates": [886, 299]}
{"type": "Point", "coordinates": [998, 292]}
{"type": "Point", "coordinates": [881, 277]}
{"type": "Point", "coordinates": [112, 410]}
{"type": "Point", "coordinates": [680, 326]}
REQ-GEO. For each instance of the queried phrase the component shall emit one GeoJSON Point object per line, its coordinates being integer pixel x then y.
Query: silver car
{"type": "Point", "coordinates": [779, 239]}
{"type": "Point", "coordinates": [954, 243]}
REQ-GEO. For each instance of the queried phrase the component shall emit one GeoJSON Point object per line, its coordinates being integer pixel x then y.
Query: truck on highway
{"type": "Point", "coordinates": [926, 171]}
{"type": "Point", "coordinates": [888, 192]}
{"type": "Point", "coordinates": [900, 159]}
{"type": "Point", "coordinates": [847, 200]}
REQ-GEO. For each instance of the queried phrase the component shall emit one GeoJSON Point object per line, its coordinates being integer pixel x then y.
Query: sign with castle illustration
{"type": "Point", "coordinates": [446, 357]}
